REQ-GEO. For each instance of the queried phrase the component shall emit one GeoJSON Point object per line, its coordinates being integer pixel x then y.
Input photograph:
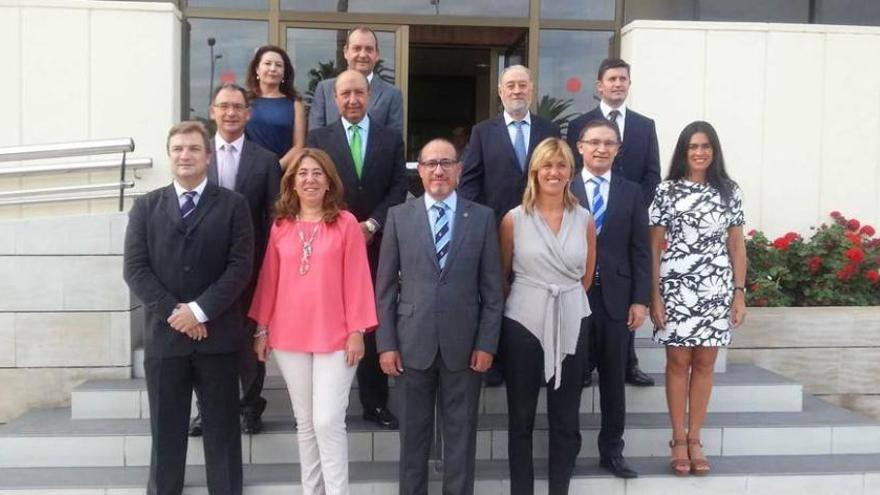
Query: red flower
{"type": "Point", "coordinates": [835, 214]}
{"type": "Point", "coordinates": [781, 244]}
{"type": "Point", "coordinates": [815, 263]}
{"type": "Point", "coordinates": [853, 224]}
{"type": "Point", "coordinates": [847, 271]}
{"type": "Point", "coordinates": [867, 230]}
{"type": "Point", "coordinates": [855, 255]}
{"type": "Point", "coordinates": [873, 276]}
{"type": "Point", "coordinates": [855, 239]}
{"type": "Point", "coordinates": [752, 233]}
{"type": "Point", "coordinates": [792, 236]}
{"type": "Point", "coordinates": [754, 287]}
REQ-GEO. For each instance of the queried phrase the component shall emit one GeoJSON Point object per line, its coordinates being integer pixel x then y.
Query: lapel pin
{"type": "Point", "coordinates": [465, 214]}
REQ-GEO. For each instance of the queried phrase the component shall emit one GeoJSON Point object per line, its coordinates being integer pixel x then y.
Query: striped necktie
{"type": "Point", "coordinates": [598, 206]}
{"type": "Point", "coordinates": [188, 205]}
{"type": "Point", "coordinates": [441, 236]}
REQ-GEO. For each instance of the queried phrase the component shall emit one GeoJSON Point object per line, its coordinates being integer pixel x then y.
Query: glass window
{"type": "Point", "coordinates": [234, 44]}
{"type": "Point", "coordinates": [588, 10]}
{"type": "Point", "coordinates": [667, 10]}
{"type": "Point", "coordinates": [494, 8]}
{"type": "Point", "coordinates": [755, 10]}
{"type": "Point", "coordinates": [568, 61]}
{"type": "Point", "coordinates": [854, 12]}
{"type": "Point", "coordinates": [231, 4]}
{"type": "Point", "coordinates": [317, 54]}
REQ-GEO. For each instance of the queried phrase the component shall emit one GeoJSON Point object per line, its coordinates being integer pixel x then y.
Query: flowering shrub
{"type": "Point", "coordinates": [837, 266]}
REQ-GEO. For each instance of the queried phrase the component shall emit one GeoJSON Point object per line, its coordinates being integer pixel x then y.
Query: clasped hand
{"type": "Point", "coordinates": [184, 321]}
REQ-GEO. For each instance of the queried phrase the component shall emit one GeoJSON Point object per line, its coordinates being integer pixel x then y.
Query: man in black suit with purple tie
{"type": "Point", "coordinates": [638, 160]}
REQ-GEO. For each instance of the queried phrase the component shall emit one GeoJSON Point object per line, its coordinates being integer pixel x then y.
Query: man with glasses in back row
{"type": "Point", "coordinates": [240, 165]}
{"type": "Point", "coordinates": [638, 160]}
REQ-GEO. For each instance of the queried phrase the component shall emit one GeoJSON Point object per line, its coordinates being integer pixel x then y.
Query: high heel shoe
{"type": "Point", "coordinates": [699, 465]}
{"type": "Point", "coordinates": [681, 466]}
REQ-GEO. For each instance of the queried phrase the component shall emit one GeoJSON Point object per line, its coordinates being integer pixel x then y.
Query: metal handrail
{"type": "Point", "coordinates": [57, 150]}
{"type": "Point", "coordinates": [23, 170]}
{"type": "Point", "coordinates": [60, 198]}
{"type": "Point", "coordinates": [64, 150]}
{"type": "Point", "coordinates": [66, 189]}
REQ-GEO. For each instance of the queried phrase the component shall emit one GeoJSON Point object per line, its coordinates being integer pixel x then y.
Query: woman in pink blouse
{"type": "Point", "coordinates": [313, 301]}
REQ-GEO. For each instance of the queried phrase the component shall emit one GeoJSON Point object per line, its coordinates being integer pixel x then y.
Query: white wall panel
{"type": "Point", "coordinates": [10, 83]}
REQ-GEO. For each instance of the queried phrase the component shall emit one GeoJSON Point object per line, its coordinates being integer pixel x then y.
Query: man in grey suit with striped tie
{"type": "Point", "coordinates": [438, 289]}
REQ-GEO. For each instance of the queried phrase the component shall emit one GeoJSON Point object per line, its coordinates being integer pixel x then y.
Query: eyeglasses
{"type": "Point", "coordinates": [595, 143]}
{"type": "Point", "coordinates": [446, 164]}
{"type": "Point", "coordinates": [700, 146]}
{"type": "Point", "coordinates": [238, 107]}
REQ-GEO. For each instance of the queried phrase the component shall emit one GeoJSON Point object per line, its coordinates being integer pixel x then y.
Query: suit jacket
{"type": "Point", "coordinates": [385, 106]}
{"type": "Point", "coordinates": [383, 181]}
{"type": "Point", "coordinates": [639, 157]}
{"type": "Point", "coordinates": [259, 181]}
{"type": "Point", "coordinates": [424, 310]}
{"type": "Point", "coordinates": [207, 260]}
{"type": "Point", "coordinates": [492, 175]}
{"type": "Point", "coordinates": [622, 250]}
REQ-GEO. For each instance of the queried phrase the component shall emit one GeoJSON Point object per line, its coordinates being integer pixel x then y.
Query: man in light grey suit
{"type": "Point", "coordinates": [361, 51]}
{"type": "Point", "coordinates": [438, 289]}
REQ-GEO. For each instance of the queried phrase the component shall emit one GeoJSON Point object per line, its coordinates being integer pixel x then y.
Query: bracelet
{"type": "Point", "coordinates": [743, 289]}
{"type": "Point", "coordinates": [261, 333]}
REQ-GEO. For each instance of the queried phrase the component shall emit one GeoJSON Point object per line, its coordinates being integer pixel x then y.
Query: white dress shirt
{"type": "Point", "coordinates": [621, 119]}
{"type": "Point", "coordinates": [181, 199]}
{"type": "Point", "coordinates": [604, 188]}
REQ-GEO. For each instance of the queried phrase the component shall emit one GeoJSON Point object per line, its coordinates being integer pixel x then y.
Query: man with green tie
{"type": "Point", "coordinates": [369, 158]}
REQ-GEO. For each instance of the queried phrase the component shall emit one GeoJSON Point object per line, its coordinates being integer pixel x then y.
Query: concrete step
{"type": "Point", "coordinates": [652, 357]}
{"type": "Point", "coordinates": [780, 475]}
{"type": "Point", "coordinates": [50, 438]}
{"type": "Point", "coordinates": [743, 388]}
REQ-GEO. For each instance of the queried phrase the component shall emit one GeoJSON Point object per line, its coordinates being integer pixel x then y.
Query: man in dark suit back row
{"type": "Point", "coordinates": [370, 160]}
{"type": "Point", "coordinates": [638, 160]}
{"type": "Point", "coordinates": [240, 165]}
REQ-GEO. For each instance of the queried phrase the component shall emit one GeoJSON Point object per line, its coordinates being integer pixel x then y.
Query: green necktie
{"type": "Point", "coordinates": [356, 153]}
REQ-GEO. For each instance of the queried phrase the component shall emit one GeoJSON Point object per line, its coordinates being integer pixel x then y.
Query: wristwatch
{"type": "Point", "coordinates": [372, 225]}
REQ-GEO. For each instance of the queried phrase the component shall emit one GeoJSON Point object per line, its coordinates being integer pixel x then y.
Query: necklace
{"type": "Point", "coordinates": [304, 263]}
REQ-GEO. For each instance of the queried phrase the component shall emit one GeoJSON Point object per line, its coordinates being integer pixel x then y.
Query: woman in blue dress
{"type": "Point", "coordinates": [278, 120]}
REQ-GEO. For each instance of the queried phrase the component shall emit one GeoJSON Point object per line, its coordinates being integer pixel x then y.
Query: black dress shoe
{"type": "Point", "coordinates": [382, 417]}
{"type": "Point", "coordinates": [618, 467]}
{"type": "Point", "coordinates": [493, 377]}
{"type": "Point", "coordinates": [195, 426]}
{"type": "Point", "coordinates": [251, 424]}
{"type": "Point", "coordinates": [637, 377]}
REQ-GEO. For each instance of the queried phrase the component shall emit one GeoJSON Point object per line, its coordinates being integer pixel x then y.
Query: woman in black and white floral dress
{"type": "Point", "coordinates": [699, 270]}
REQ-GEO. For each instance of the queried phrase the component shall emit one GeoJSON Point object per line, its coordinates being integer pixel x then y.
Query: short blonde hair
{"type": "Point", "coordinates": [548, 149]}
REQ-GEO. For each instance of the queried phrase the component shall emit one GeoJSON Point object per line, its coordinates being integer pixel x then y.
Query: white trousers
{"type": "Point", "coordinates": [319, 384]}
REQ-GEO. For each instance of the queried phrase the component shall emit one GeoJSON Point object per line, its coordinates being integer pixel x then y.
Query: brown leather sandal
{"type": "Point", "coordinates": [699, 466]}
{"type": "Point", "coordinates": [681, 466]}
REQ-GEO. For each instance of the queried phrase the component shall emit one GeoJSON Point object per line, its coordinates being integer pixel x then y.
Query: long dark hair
{"type": "Point", "coordinates": [286, 86]}
{"type": "Point", "coordinates": [716, 174]}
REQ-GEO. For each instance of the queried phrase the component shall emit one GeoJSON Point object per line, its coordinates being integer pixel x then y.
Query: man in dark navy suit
{"type": "Point", "coordinates": [638, 160]}
{"type": "Point", "coordinates": [496, 160]}
{"type": "Point", "coordinates": [621, 288]}
{"type": "Point", "coordinates": [370, 160]}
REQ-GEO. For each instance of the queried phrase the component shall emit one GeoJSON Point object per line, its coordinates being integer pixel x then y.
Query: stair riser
{"type": "Point", "coordinates": [274, 448]}
{"type": "Point", "coordinates": [848, 484]}
{"type": "Point", "coordinates": [115, 404]}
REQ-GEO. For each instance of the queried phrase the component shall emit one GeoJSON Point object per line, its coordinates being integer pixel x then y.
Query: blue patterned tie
{"type": "Point", "coordinates": [598, 208]}
{"type": "Point", "coordinates": [519, 144]}
{"type": "Point", "coordinates": [441, 238]}
{"type": "Point", "coordinates": [188, 205]}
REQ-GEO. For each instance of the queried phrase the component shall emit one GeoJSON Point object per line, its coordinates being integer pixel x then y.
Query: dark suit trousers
{"type": "Point", "coordinates": [524, 375]}
{"type": "Point", "coordinates": [170, 383]}
{"type": "Point", "coordinates": [458, 393]}
{"type": "Point", "coordinates": [372, 382]}
{"type": "Point", "coordinates": [252, 375]}
{"type": "Point", "coordinates": [609, 339]}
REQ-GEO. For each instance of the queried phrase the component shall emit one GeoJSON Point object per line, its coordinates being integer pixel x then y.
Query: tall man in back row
{"type": "Point", "coordinates": [361, 52]}
{"type": "Point", "coordinates": [638, 160]}
{"type": "Point", "coordinates": [370, 161]}
{"type": "Point", "coordinates": [496, 160]}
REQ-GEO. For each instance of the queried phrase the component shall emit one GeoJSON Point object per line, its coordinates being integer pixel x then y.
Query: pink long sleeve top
{"type": "Point", "coordinates": [315, 312]}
